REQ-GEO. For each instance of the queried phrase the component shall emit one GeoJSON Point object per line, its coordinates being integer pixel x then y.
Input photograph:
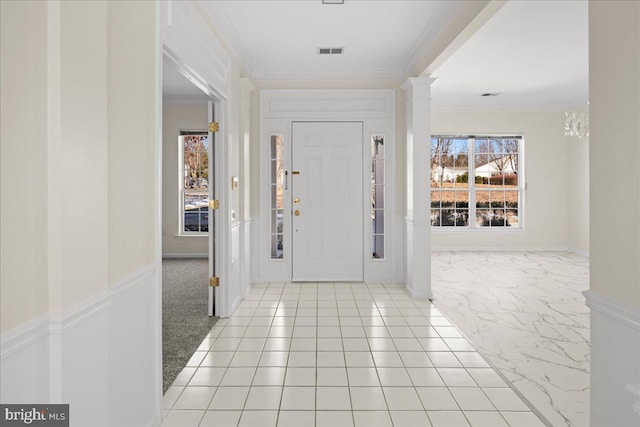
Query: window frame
{"type": "Point", "coordinates": [181, 190]}
{"type": "Point", "coordinates": [521, 187]}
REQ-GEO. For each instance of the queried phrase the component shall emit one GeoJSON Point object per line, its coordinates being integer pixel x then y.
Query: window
{"type": "Point", "coordinates": [277, 195]}
{"type": "Point", "coordinates": [194, 191]}
{"type": "Point", "coordinates": [476, 181]}
{"type": "Point", "coordinates": [377, 196]}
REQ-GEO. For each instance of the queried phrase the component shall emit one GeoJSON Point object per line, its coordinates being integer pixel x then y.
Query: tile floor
{"type": "Point", "coordinates": [339, 354]}
{"type": "Point", "coordinates": [530, 321]}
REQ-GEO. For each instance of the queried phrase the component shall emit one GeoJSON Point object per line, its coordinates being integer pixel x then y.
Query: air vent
{"type": "Point", "coordinates": [330, 50]}
{"type": "Point", "coordinates": [490, 94]}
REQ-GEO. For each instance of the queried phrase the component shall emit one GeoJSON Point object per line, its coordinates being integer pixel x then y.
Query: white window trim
{"type": "Point", "coordinates": [522, 186]}
{"type": "Point", "coordinates": [181, 190]}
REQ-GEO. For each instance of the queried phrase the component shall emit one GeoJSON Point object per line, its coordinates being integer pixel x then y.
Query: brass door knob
{"type": "Point", "coordinates": [296, 212]}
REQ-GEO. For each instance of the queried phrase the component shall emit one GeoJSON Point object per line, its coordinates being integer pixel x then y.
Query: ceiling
{"type": "Point", "coordinates": [278, 40]}
{"type": "Point", "coordinates": [533, 53]}
{"type": "Point", "coordinates": [177, 89]}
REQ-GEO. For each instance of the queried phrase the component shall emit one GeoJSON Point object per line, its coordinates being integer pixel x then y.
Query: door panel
{"type": "Point", "coordinates": [327, 220]}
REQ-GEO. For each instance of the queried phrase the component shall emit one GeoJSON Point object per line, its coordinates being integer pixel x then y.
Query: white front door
{"type": "Point", "coordinates": [327, 201]}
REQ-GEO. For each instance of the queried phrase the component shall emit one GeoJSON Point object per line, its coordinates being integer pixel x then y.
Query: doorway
{"type": "Point", "coordinates": [327, 201]}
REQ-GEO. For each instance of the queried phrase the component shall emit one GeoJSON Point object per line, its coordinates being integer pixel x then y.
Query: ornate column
{"type": "Point", "coordinates": [418, 225]}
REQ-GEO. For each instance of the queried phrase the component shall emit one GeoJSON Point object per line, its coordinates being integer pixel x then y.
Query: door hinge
{"type": "Point", "coordinates": [213, 127]}
{"type": "Point", "coordinates": [214, 204]}
{"type": "Point", "coordinates": [214, 281]}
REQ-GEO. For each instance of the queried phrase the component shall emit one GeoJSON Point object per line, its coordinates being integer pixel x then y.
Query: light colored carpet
{"type": "Point", "coordinates": [184, 313]}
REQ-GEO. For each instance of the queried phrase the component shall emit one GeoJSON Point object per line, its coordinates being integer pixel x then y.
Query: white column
{"type": "Point", "coordinates": [418, 226]}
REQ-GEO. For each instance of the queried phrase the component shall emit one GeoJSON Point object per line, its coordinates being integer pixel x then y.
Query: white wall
{"type": "Point", "coordinates": [23, 153]}
{"type": "Point", "coordinates": [546, 174]}
{"type": "Point", "coordinates": [579, 194]}
{"type": "Point", "coordinates": [614, 294]}
{"type": "Point", "coordinates": [174, 119]}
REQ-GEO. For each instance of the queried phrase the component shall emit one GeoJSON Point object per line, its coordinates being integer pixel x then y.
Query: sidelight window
{"type": "Point", "coordinates": [277, 196]}
{"type": "Point", "coordinates": [377, 196]}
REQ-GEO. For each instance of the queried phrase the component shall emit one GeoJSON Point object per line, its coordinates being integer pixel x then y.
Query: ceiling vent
{"type": "Point", "coordinates": [330, 50]}
{"type": "Point", "coordinates": [490, 94]}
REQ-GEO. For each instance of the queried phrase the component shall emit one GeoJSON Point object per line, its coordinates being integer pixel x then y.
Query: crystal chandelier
{"type": "Point", "coordinates": [576, 124]}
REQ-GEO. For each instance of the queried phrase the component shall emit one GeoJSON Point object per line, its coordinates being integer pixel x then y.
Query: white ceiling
{"type": "Point", "coordinates": [534, 53]}
{"type": "Point", "coordinates": [278, 40]}
{"type": "Point", "coordinates": [177, 89]}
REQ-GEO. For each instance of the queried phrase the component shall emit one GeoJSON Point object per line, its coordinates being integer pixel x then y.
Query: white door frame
{"type": "Point", "coordinates": [376, 110]}
{"type": "Point", "coordinates": [221, 217]}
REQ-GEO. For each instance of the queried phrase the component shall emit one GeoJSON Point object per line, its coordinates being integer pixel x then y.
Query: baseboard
{"type": "Point", "coordinates": [500, 249]}
{"type": "Point", "coordinates": [180, 256]}
{"type": "Point", "coordinates": [584, 253]}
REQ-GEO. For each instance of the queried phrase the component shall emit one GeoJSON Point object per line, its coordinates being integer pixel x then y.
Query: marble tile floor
{"type": "Point", "coordinates": [340, 354]}
{"type": "Point", "coordinates": [526, 314]}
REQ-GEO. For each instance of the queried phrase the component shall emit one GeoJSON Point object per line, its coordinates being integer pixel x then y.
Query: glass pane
{"type": "Point", "coordinates": [279, 197]}
{"type": "Point", "coordinates": [435, 199]}
{"type": "Point", "coordinates": [377, 171]}
{"type": "Point", "coordinates": [461, 217]}
{"type": "Point", "coordinates": [276, 246]}
{"type": "Point", "coordinates": [276, 147]}
{"type": "Point", "coordinates": [274, 171]}
{"type": "Point", "coordinates": [377, 201]}
{"type": "Point", "coordinates": [483, 218]}
{"type": "Point", "coordinates": [497, 199]}
{"type": "Point", "coordinates": [511, 199]}
{"type": "Point", "coordinates": [377, 147]}
{"type": "Point", "coordinates": [378, 247]}
{"type": "Point", "coordinates": [512, 218]}
{"type": "Point", "coordinates": [482, 199]}
{"type": "Point", "coordinates": [448, 198]}
{"type": "Point", "coordinates": [378, 222]}
{"type": "Point", "coordinates": [435, 217]}
{"type": "Point", "coordinates": [191, 220]}
{"type": "Point", "coordinates": [462, 199]}
{"type": "Point", "coordinates": [277, 221]}
{"type": "Point", "coordinates": [204, 219]}
{"type": "Point", "coordinates": [274, 195]}
{"type": "Point", "coordinates": [447, 218]}
{"type": "Point", "coordinates": [497, 180]}
{"type": "Point", "coordinates": [496, 146]}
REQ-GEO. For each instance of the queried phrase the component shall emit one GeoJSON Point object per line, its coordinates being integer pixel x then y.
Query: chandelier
{"type": "Point", "coordinates": [576, 124]}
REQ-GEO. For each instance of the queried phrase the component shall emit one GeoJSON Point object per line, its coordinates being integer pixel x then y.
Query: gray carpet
{"type": "Point", "coordinates": [184, 313]}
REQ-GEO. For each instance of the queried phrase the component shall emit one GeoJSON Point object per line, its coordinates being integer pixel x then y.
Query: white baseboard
{"type": "Point", "coordinates": [615, 366]}
{"type": "Point", "coordinates": [499, 249]}
{"type": "Point", "coordinates": [579, 252]}
{"type": "Point", "coordinates": [180, 256]}
{"type": "Point", "coordinates": [107, 343]}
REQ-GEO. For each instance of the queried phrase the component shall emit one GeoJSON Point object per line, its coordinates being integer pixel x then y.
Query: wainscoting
{"type": "Point", "coordinates": [102, 356]}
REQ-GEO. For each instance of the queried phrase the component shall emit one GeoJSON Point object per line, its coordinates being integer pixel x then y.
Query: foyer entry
{"type": "Point", "coordinates": [327, 201]}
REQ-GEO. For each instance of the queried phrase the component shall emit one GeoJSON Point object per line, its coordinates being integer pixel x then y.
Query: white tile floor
{"type": "Point", "coordinates": [339, 354]}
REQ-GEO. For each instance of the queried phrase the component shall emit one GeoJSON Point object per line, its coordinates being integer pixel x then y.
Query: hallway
{"type": "Point", "coordinates": [339, 354]}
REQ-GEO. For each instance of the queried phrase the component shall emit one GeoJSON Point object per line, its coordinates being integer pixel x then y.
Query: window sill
{"type": "Point", "coordinates": [509, 230]}
{"type": "Point", "coordinates": [192, 235]}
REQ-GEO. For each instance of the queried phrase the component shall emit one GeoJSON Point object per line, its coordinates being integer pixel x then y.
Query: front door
{"type": "Point", "coordinates": [327, 201]}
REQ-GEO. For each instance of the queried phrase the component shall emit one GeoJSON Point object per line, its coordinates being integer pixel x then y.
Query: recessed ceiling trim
{"type": "Point", "coordinates": [332, 1]}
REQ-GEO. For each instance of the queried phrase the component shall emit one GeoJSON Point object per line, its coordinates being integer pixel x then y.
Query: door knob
{"type": "Point", "coordinates": [296, 200]}
{"type": "Point", "coordinates": [296, 212]}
